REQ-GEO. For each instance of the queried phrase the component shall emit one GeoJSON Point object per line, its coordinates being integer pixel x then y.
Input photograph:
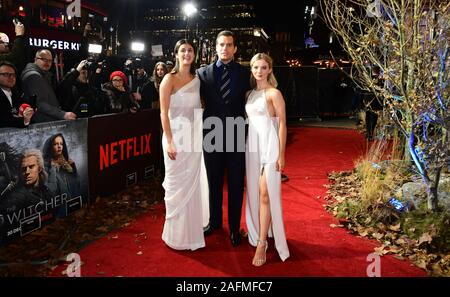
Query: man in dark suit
{"type": "Point", "coordinates": [10, 100]}
{"type": "Point", "coordinates": [223, 88]}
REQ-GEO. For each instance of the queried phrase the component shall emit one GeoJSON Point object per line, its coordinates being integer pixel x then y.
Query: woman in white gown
{"type": "Point", "coordinates": [265, 160]}
{"type": "Point", "coordinates": [185, 182]}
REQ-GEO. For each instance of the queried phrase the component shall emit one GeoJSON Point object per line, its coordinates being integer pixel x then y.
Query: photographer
{"type": "Point", "coordinates": [15, 53]}
{"type": "Point", "coordinates": [76, 94]}
{"type": "Point", "coordinates": [137, 79]}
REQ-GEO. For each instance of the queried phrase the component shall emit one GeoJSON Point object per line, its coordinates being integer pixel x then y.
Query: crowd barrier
{"type": "Point", "coordinates": [104, 155]}
{"type": "Point", "coordinates": [312, 92]}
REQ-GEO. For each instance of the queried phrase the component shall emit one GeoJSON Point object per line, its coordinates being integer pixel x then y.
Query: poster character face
{"type": "Point", "coordinates": [30, 170]}
{"type": "Point", "coordinates": [58, 145]}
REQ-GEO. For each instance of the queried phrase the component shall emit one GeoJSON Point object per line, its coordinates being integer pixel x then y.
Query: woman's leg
{"type": "Point", "coordinates": [264, 221]}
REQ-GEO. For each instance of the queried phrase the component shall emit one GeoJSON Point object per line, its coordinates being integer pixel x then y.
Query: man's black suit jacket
{"type": "Point", "coordinates": [215, 105]}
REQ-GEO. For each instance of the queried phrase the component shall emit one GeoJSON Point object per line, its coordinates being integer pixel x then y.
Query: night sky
{"type": "Point", "coordinates": [283, 15]}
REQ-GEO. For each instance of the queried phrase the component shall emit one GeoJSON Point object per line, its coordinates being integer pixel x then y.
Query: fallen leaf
{"type": "Point", "coordinates": [400, 241]}
{"type": "Point", "coordinates": [336, 226]}
{"type": "Point", "coordinates": [421, 264]}
{"type": "Point", "coordinates": [395, 227]}
{"type": "Point", "coordinates": [380, 251]}
{"type": "Point", "coordinates": [364, 233]}
{"type": "Point", "coordinates": [426, 237]}
{"type": "Point", "coordinates": [377, 235]}
{"type": "Point", "coordinates": [139, 253]}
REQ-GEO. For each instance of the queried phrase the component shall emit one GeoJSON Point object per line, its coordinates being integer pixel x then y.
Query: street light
{"type": "Point", "coordinates": [189, 10]}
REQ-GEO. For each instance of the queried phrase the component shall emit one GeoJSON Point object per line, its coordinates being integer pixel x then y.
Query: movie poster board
{"type": "Point", "coordinates": [43, 175]}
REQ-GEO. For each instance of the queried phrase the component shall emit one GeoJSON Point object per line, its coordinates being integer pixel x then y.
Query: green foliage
{"type": "Point", "coordinates": [422, 221]}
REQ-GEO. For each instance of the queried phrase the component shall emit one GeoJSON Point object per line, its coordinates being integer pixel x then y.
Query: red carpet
{"type": "Point", "coordinates": [316, 248]}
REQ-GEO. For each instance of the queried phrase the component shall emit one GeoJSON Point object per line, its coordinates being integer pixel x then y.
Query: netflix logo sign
{"type": "Point", "coordinates": [124, 149]}
{"type": "Point", "coordinates": [122, 144]}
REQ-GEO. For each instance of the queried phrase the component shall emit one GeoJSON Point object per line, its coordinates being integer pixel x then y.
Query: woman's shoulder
{"type": "Point", "coordinates": [169, 78]}
{"type": "Point", "coordinates": [273, 93]}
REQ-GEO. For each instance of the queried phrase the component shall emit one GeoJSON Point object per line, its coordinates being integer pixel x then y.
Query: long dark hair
{"type": "Point", "coordinates": [177, 63]}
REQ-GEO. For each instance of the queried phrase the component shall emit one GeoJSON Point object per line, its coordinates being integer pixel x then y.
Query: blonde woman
{"type": "Point", "coordinates": [265, 160]}
{"type": "Point", "coordinates": [159, 72]}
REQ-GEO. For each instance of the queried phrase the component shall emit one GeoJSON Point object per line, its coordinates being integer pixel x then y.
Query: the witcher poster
{"type": "Point", "coordinates": [43, 175]}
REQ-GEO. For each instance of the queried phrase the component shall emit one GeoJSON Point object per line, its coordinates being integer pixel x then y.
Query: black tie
{"type": "Point", "coordinates": [225, 82]}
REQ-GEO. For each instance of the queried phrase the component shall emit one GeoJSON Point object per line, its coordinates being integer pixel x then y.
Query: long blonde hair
{"type": "Point", "coordinates": [270, 78]}
{"type": "Point", "coordinates": [155, 78]}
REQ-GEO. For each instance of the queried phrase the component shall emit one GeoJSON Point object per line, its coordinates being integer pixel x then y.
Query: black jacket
{"type": "Point", "coordinates": [9, 114]}
{"type": "Point", "coordinates": [77, 97]}
{"type": "Point", "coordinates": [17, 54]}
{"type": "Point", "coordinates": [234, 106]}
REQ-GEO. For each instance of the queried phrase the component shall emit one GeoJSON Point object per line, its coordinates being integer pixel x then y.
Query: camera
{"type": "Point", "coordinates": [135, 64]}
{"type": "Point", "coordinates": [89, 63]}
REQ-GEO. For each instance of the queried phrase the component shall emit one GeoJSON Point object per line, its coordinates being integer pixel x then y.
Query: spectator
{"type": "Point", "coordinates": [118, 96]}
{"type": "Point", "coordinates": [10, 101]}
{"type": "Point", "coordinates": [169, 65]}
{"type": "Point", "coordinates": [16, 53]}
{"type": "Point", "coordinates": [77, 94]}
{"type": "Point", "coordinates": [150, 91]}
{"type": "Point", "coordinates": [36, 81]}
{"type": "Point", "coordinates": [140, 80]}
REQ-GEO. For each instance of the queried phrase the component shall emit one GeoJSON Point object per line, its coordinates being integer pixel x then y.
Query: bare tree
{"type": "Point", "coordinates": [408, 41]}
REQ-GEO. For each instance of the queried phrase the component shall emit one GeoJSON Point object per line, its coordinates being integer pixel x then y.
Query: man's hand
{"type": "Point", "coordinates": [20, 29]}
{"type": "Point", "coordinates": [137, 96]}
{"type": "Point", "coordinates": [27, 114]}
{"type": "Point", "coordinates": [70, 116]}
{"type": "Point", "coordinates": [81, 65]}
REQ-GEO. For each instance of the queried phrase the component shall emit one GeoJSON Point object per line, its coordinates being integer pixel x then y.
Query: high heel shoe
{"type": "Point", "coordinates": [260, 261]}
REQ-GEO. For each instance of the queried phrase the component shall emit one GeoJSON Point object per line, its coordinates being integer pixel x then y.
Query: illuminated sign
{"type": "Point", "coordinates": [54, 44]}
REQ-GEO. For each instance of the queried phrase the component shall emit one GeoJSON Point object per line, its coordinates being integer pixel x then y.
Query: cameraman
{"type": "Point", "coordinates": [137, 78]}
{"type": "Point", "coordinates": [15, 52]}
{"type": "Point", "coordinates": [76, 94]}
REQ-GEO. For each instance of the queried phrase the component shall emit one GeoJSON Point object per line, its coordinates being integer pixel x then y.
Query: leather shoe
{"type": "Point", "coordinates": [235, 238]}
{"type": "Point", "coordinates": [208, 230]}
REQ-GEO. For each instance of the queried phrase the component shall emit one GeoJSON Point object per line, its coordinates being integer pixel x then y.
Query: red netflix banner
{"type": "Point", "coordinates": [123, 149]}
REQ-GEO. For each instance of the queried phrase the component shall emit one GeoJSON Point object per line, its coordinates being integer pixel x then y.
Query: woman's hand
{"type": "Point", "coordinates": [280, 164]}
{"type": "Point", "coordinates": [120, 88]}
{"type": "Point", "coordinates": [171, 151]}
